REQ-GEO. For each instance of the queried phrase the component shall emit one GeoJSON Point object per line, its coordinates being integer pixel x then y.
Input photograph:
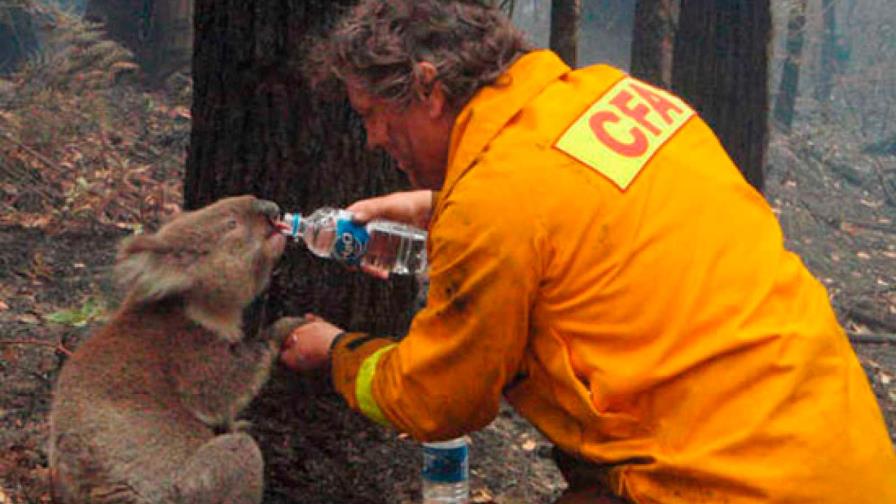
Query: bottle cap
{"type": "Point", "coordinates": [290, 224]}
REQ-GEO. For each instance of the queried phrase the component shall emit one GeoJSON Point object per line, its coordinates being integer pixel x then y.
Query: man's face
{"type": "Point", "coordinates": [416, 136]}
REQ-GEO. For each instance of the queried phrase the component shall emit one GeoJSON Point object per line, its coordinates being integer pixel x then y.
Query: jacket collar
{"type": "Point", "coordinates": [493, 106]}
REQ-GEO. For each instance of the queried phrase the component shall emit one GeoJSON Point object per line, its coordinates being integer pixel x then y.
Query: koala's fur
{"type": "Point", "coordinates": [144, 411]}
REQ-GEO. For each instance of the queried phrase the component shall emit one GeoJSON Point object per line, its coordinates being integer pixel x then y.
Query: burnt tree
{"type": "Point", "coordinates": [258, 128]}
{"type": "Point", "coordinates": [565, 20]}
{"type": "Point", "coordinates": [18, 35]}
{"type": "Point", "coordinates": [828, 61]}
{"type": "Point", "coordinates": [721, 68]}
{"type": "Point", "coordinates": [651, 58]}
{"type": "Point", "coordinates": [158, 32]}
{"type": "Point", "coordinates": [785, 101]}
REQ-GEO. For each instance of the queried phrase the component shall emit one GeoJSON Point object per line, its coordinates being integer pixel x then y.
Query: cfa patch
{"type": "Point", "coordinates": [624, 128]}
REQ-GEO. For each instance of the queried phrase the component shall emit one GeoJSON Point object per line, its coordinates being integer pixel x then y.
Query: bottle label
{"type": "Point", "coordinates": [351, 242]}
{"type": "Point", "coordinates": [445, 465]}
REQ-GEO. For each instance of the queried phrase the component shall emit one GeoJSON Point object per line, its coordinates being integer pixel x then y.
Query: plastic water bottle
{"type": "Point", "coordinates": [446, 471]}
{"type": "Point", "coordinates": [383, 246]}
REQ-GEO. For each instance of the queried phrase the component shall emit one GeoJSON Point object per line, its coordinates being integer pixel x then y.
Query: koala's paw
{"type": "Point", "coordinates": [279, 330]}
{"type": "Point", "coordinates": [239, 426]}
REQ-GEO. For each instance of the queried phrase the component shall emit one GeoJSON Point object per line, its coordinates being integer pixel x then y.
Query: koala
{"type": "Point", "coordinates": [145, 410]}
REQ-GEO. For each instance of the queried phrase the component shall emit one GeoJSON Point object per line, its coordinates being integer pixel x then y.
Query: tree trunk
{"type": "Point", "coordinates": [652, 42]}
{"type": "Point", "coordinates": [785, 102]}
{"type": "Point", "coordinates": [828, 63]}
{"type": "Point", "coordinates": [170, 47]}
{"type": "Point", "coordinates": [18, 38]}
{"type": "Point", "coordinates": [257, 128]}
{"type": "Point", "coordinates": [721, 68]}
{"type": "Point", "coordinates": [565, 19]}
{"type": "Point", "coordinates": [158, 32]}
{"type": "Point", "coordinates": [125, 21]}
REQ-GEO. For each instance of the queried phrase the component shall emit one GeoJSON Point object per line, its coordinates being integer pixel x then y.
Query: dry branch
{"type": "Point", "coordinates": [856, 337]}
{"type": "Point", "coordinates": [59, 347]}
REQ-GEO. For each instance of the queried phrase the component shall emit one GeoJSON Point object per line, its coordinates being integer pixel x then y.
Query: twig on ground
{"type": "Point", "coordinates": [885, 228]}
{"type": "Point", "coordinates": [856, 337]}
{"type": "Point", "coordinates": [40, 157]}
{"type": "Point", "coordinates": [867, 317]}
{"type": "Point", "coordinates": [884, 185]}
{"type": "Point", "coordinates": [56, 346]}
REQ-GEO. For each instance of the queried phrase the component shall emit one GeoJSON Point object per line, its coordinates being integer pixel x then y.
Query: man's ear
{"type": "Point", "coordinates": [429, 88]}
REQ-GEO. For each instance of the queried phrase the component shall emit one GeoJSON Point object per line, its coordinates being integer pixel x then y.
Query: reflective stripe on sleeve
{"type": "Point", "coordinates": [364, 387]}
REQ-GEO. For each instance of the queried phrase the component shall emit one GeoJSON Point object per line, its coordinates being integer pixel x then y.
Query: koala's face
{"type": "Point", "coordinates": [223, 253]}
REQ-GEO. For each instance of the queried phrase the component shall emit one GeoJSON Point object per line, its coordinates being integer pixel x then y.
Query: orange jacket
{"type": "Point", "coordinates": [598, 260]}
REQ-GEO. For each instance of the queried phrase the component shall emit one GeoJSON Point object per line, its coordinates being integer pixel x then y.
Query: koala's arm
{"type": "Point", "coordinates": [219, 380]}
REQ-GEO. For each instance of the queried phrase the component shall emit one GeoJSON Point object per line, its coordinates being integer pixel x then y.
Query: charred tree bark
{"type": "Point", "coordinates": [565, 20]}
{"type": "Point", "coordinates": [170, 47]}
{"type": "Point", "coordinates": [18, 37]}
{"type": "Point", "coordinates": [828, 63]}
{"type": "Point", "coordinates": [258, 128]}
{"type": "Point", "coordinates": [125, 21]}
{"type": "Point", "coordinates": [785, 102]}
{"type": "Point", "coordinates": [652, 42]}
{"type": "Point", "coordinates": [158, 32]}
{"type": "Point", "coordinates": [721, 68]}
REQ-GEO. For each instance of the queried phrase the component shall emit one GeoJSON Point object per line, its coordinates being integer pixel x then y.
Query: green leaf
{"type": "Point", "coordinates": [90, 311]}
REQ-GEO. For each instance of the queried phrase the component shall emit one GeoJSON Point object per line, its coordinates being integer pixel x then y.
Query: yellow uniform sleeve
{"type": "Point", "coordinates": [446, 376]}
{"type": "Point", "coordinates": [354, 358]}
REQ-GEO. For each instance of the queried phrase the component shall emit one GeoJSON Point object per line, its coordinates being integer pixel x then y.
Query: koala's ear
{"type": "Point", "coordinates": [142, 268]}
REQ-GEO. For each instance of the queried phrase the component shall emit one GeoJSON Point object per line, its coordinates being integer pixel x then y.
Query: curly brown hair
{"type": "Point", "coordinates": [379, 43]}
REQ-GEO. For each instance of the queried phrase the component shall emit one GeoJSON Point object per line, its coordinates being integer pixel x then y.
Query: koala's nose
{"type": "Point", "coordinates": [267, 208]}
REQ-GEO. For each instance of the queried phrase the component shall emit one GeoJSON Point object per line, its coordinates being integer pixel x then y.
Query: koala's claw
{"type": "Point", "coordinates": [239, 426]}
{"type": "Point", "coordinates": [283, 327]}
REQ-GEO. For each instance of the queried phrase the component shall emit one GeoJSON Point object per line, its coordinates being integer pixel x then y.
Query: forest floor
{"type": "Point", "coordinates": [80, 168]}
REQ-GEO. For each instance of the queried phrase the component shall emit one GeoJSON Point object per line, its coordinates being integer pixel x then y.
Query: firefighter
{"type": "Point", "coordinates": [597, 260]}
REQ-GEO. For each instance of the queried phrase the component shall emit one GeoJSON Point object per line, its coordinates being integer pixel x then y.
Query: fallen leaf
{"type": "Point", "coordinates": [529, 445]}
{"type": "Point", "coordinates": [28, 318]}
{"type": "Point", "coordinates": [889, 253]}
{"type": "Point", "coordinates": [863, 255]}
{"type": "Point", "coordinates": [38, 222]}
{"type": "Point", "coordinates": [10, 354]}
{"type": "Point", "coordinates": [870, 204]}
{"type": "Point", "coordinates": [180, 112]}
{"type": "Point", "coordinates": [482, 496]}
{"type": "Point", "coordinates": [849, 228]}
{"type": "Point", "coordinates": [885, 378]}
{"type": "Point", "coordinates": [3, 306]}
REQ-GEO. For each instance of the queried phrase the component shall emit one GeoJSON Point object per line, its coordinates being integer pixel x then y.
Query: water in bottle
{"type": "Point", "coordinates": [446, 471]}
{"type": "Point", "coordinates": [382, 246]}
{"type": "Point", "coordinates": [395, 248]}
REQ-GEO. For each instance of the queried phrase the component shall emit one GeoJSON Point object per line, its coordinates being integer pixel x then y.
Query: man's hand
{"type": "Point", "coordinates": [409, 207]}
{"type": "Point", "coordinates": [308, 346]}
